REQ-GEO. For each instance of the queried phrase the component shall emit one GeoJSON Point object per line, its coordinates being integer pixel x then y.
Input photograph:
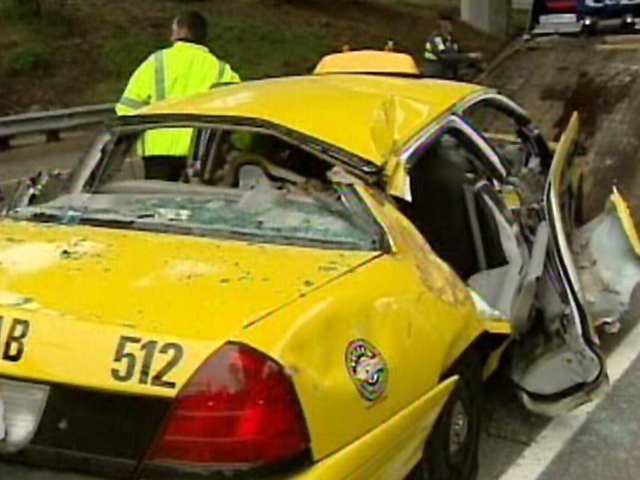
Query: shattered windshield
{"type": "Point", "coordinates": [246, 187]}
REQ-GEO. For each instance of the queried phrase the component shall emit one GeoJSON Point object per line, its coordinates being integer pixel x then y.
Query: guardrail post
{"type": "Point", "coordinates": [5, 143]}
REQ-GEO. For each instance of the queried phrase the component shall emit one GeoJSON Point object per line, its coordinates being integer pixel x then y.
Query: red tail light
{"type": "Point", "coordinates": [239, 410]}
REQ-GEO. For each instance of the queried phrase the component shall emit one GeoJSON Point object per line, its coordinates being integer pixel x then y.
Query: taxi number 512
{"type": "Point", "coordinates": [147, 362]}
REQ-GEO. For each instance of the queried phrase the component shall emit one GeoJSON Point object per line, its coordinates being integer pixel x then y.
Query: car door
{"type": "Point", "coordinates": [556, 361]}
{"type": "Point", "coordinates": [559, 365]}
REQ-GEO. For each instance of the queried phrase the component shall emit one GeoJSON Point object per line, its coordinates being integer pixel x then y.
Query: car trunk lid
{"type": "Point", "coordinates": [77, 293]}
{"type": "Point", "coordinates": [109, 324]}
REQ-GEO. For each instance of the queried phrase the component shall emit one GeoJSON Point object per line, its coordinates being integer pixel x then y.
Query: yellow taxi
{"type": "Point", "coordinates": [320, 297]}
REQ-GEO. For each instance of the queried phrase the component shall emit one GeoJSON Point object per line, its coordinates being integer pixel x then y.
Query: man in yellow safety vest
{"type": "Point", "coordinates": [184, 69]}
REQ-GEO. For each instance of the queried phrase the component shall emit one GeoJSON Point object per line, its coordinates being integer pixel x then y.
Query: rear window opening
{"type": "Point", "coordinates": [214, 182]}
{"type": "Point", "coordinates": [207, 156]}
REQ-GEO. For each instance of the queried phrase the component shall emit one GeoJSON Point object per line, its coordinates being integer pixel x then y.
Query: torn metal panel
{"type": "Point", "coordinates": [558, 366]}
{"type": "Point", "coordinates": [558, 363]}
{"type": "Point", "coordinates": [390, 123]}
{"type": "Point", "coordinates": [608, 261]}
{"type": "Point", "coordinates": [521, 309]}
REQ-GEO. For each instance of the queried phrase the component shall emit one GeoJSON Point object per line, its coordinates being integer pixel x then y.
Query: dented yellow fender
{"type": "Point", "coordinates": [408, 304]}
{"type": "Point", "coordinates": [390, 451]}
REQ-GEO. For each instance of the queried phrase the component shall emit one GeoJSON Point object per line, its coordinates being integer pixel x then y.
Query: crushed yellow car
{"type": "Point", "coordinates": [320, 296]}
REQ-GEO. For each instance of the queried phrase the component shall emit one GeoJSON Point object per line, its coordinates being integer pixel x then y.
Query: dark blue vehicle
{"type": "Point", "coordinates": [609, 9]}
{"type": "Point", "coordinates": [574, 16]}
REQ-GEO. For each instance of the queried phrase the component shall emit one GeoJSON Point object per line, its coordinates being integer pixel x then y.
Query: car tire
{"type": "Point", "coordinates": [591, 29]}
{"type": "Point", "coordinates": [451, 452]}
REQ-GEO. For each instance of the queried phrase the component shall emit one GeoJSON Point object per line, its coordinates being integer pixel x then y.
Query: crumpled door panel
{"type": "Point", "coordinates": [558, 364]}
{"type": "Point", "coordinates": [607, 253]}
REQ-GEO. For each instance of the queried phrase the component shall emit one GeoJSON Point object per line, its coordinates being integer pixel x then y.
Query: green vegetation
{"type": "Point", "coordinates": [262, 50]}
{"type": "Point", "coordinates": [27, 60]}
{"type": "Point", "coordinates": [84, 51]}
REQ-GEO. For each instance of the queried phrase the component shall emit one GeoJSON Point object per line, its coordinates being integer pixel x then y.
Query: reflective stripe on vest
{"type": "Point", "coordinates": [428, 52]}
{"type": "Point", "coordinates": [161, 83]}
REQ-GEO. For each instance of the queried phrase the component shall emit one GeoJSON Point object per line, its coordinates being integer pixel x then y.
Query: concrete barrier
{"type": "Point", "coordinates": [491, 16]}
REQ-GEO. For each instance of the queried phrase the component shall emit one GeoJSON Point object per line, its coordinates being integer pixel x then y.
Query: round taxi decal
{"type": "Point", "coordinates": [368, 369]}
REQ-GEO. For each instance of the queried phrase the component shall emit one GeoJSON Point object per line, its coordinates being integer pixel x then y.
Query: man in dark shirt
{"type": "Point", "coordinates": [443, 53]}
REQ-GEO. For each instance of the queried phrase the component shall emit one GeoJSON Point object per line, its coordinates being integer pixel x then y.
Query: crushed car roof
{"type": "Point", "coordinates": [367, 115]}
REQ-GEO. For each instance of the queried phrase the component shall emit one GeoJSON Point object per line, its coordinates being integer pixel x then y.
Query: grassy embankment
{"type": "Point", "coordinates": [82, 51]}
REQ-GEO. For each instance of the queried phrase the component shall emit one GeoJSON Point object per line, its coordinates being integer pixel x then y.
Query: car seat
{"type": "Point", "coordinates": [438, 209]}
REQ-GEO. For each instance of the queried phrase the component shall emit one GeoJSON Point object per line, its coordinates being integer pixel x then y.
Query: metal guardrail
{"type": "Point", "coordinates": [53, 122]}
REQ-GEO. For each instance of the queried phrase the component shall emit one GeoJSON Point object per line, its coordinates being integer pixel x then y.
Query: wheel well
{"type": "Point", "coordinates": [471, 362]}
{"type": "Point", "coordinates": [480, 349]}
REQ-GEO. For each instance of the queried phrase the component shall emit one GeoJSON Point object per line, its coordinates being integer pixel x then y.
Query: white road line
{"type": "Point", "coordinates": [537, 457]}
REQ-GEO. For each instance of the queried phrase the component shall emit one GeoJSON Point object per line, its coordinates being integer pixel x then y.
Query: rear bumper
{"type": "Point", "coordinates": [388, 453]}
{"type": "Point", "coordinates": [93, 432]}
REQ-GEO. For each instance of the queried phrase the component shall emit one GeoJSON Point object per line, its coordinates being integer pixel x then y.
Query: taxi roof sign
{"type": "Point", "coordinates": [368, 61]}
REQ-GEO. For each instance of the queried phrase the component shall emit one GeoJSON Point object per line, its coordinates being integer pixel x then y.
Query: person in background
{"type": "Point", "coordinates": [443, 54]}
{"type": "Point", "coordinates": [186, 68]}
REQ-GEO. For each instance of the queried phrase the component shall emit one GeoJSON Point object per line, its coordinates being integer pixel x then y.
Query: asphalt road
{"type": "Point", "coordinates": [598, 450]}
{"type": "Point", "coordinates": [604, 447]}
